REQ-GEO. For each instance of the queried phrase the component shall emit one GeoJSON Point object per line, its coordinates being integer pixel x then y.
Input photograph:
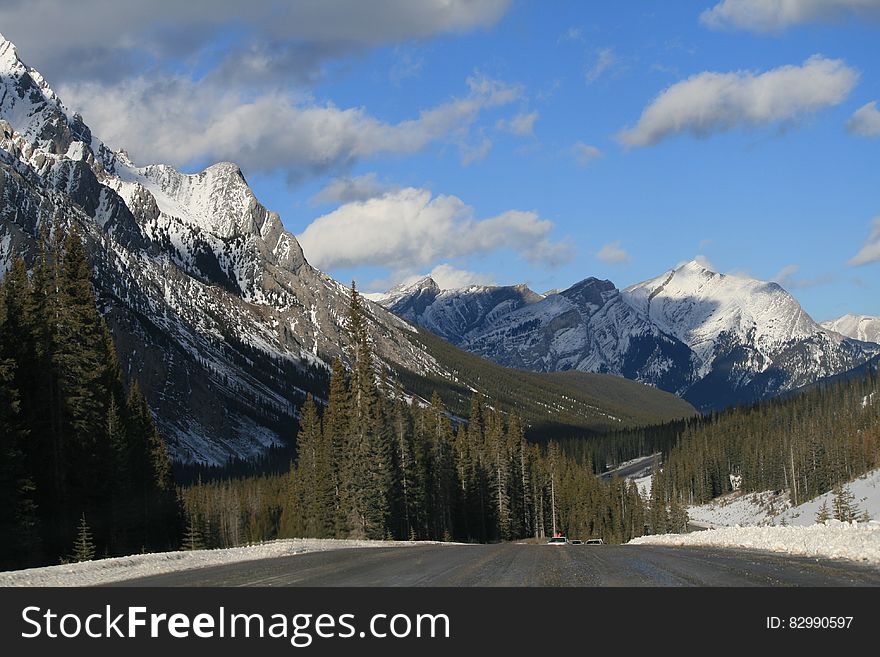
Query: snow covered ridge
{"type": "Point", "coordinates": [834, 540]}
{"type": "Point", "coordinates": [715, 339]}
{"type": "Point", "coordinates": [118, 569]}
{"type": "Point", "coordinates": [213, 306]}
{"type": "Point", "coordinates": [858, 327]}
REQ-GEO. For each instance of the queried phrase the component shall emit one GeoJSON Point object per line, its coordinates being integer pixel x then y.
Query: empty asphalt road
{"type": "Point", "coordinates": [527, 565]}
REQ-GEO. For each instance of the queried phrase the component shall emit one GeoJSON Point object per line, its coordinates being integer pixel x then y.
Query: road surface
{"type": "Point", "coordinates": [509, 564]}
{"type": "Point", "coordinates": [632, 469]}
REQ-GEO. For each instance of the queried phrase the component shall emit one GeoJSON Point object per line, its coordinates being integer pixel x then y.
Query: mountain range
{"type": "Point", "coordinates": [212, 304]}
{"type": "Point", "coordinates": [713, 339]}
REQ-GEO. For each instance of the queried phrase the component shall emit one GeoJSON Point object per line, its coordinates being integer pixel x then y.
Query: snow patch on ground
{"type": "Point", "coordinates": [834, 539]}
{"type": "Point", "coordinates": [117, 569]}
{"type": "Point", "coordinates": [768, 508]}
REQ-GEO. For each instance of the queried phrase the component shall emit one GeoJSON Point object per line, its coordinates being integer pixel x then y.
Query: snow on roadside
{"type": "Point", "coordinates": [117, 569]}
{"type": "Point", "coordinates": [740, 509]}
{"type": "Point", "coordinates": [643, 484]}
{"type": "Point", "coordinates": [768, 508]}
{"type": "Point", "coordinates": [834, 539]}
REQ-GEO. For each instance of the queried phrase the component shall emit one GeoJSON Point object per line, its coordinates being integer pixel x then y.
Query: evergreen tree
{"type": "Point", "coordinates": [843, 503]}
{"type": "Point", "coordinates": [192, 536]}
{"type": "Point", "coordinates": [84, 546]}
{"type": "Point", "coordinates": [823, 514]}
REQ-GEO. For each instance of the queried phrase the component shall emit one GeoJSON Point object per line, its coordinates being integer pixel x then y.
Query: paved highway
{"type": "Point", "coordinates": [527, 565]}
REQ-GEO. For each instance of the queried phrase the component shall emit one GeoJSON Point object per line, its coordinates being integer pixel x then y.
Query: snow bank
{"type": "Point", "coordinates": [768, 508]}
{"type": "Point", "coordinates": [117, 569]}
{"type": "Point", "coordinates": [834, 539]}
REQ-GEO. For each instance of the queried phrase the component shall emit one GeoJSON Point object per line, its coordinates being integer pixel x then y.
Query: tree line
{"type": "Point", "coordinates": [372, 463]}
{"type": "Point", "coordinates": [806, 444]}
{"type": "Point", "coordinates": [79, 454]}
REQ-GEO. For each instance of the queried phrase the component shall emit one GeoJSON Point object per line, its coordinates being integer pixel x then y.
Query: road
{"type": "Point", "coordinates": [527, 565]}
{"type": "Point", "coordinates": [631, 469]}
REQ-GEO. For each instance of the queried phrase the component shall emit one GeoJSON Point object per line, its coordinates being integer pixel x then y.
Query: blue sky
{"type": "Point", "coordinates": [507, 142]}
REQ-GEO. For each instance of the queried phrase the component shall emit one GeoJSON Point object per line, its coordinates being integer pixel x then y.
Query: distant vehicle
{"type": "Point", "coordinates": [595, 541]}
{"type": "Point", "coordinates": [576, 541]}
{"type": "Point", "coordinates": [558, 540]}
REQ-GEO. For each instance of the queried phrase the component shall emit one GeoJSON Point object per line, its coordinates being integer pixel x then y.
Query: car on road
{"type": "Point", "coordinates": [576, 541]}
{"type": "Point", "coordinates": [558, 540]}
{"type": "Point", "coordinates": [595, 541]}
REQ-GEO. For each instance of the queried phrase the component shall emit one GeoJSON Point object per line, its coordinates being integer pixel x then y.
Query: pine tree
{"type": "Point", "coordinates": [84, 546]}
{"type": "Point", "coordinates": [823, 514]}
{"type": "Point", "coordinates": [843, 503]}
{"type": "Point", "coordinates": [192, 536]}
{"type": "Point", "coordinates": [678, 516]}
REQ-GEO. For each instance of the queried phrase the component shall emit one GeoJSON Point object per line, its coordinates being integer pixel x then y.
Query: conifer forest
{"type": "Point", "coordinates": [84, 472]}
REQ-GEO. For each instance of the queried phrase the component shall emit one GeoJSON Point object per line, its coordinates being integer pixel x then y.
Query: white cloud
{"type": "Point", "coordinates": [870, 252]}
{"type": "Point", "coordinates": [710, 102]}
{"type": "Point", "coordinates": [451, 278]}
{"type": "Point", "coordinates": [785, 275]}
{"type": "Point", "coordinates": [408, 230]}
{"type": "Point", "coordinates": [605, 59]}
{"type": "Point", "coordinates": [522, 125]}
{"type": "Point", "coordinates": [865, 121]}
{"type": "Point", "coordinates": [407, 66]}
{"type": "Point", "coordinates": [474, 152]}
{"type": "Point", "coordinates": [786, 278]}
{"type": "Point", "coordinates": [65, 39]}
{"type": "Point", "coordinates": [178, 121]}
{"type": "Point", "coordinates": [777, 15]}
{"type": "Point", "coordinates": [613, 254]}
{"type": "Point", "coordinates": [347, 189]}
{"type": "Point", "coordinates": [704, 262]}
{"type": "Point", "coordinates": [585, 153]}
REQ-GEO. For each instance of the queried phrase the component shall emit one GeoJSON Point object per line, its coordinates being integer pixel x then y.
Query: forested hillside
{"type": "Point", "coordinates": [79, 455]}
{"type": "Point", "coordinates": [805, 444]}
{"type": "Point", "coordinates": [375, 466]}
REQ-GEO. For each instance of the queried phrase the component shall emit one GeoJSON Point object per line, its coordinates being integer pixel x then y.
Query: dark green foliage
{"type": "Point", "coordinates": [582, 403]}
{"type": "Point", "coordinates": [823, 515]}
{"type": "Point", "coordinates": [843, 504]}
{"type": "Point", "coordinates": [409, 472]}
{"type": "Point", "coordinates": [73, 445]}
{"type": "Point", "coordinates": [805, 444]}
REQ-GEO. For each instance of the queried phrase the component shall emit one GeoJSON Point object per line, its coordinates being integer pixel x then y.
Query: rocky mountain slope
{"type": "Point", "coordinates": [857, 327]}
{"type": "Point", "coordinates": [212, 304]}
{"type": "Point", "coordinates": [715, 339]}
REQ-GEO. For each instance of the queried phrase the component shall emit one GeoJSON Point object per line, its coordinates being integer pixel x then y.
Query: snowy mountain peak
{"type": "Point", "coordinates": [424, 283]}
{"type": "Point", "coordinates": [9, 61]}
{"type": "Point", "coordinates": [859, 327]}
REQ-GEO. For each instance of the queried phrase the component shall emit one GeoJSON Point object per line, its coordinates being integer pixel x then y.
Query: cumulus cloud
{"type": "Point", "coordinates": [613, 254]}
{"type": "Point", "coordinates": [870, 252]}
{"type": "Point", "coordinates": [787, 279]}
{"type": "Point", "coordinates": [347, 189]}
{"type": "Point", "coordinates": [710, 102]}
{"type": "Point", "coordinates": [522, 124]}
{"type": "Point", "coordinates": [777, 15]}
{"type": "Point", "coordinates": [865, 121]}
{"type": "Point", "coordinates": [409, 229]}
{"type": "Point", "coordinates": [179, 121]}
{"type": "Point", "coordinates": [451, 278]}
{"type": "Point", "coordinates": [701, 260]}
{"type": "Point", "coordinates": [279, 38]}
{"type": "Point", "coordinates": [585, 153]}
{"type": "Point", "coordinates": [605, 59]}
